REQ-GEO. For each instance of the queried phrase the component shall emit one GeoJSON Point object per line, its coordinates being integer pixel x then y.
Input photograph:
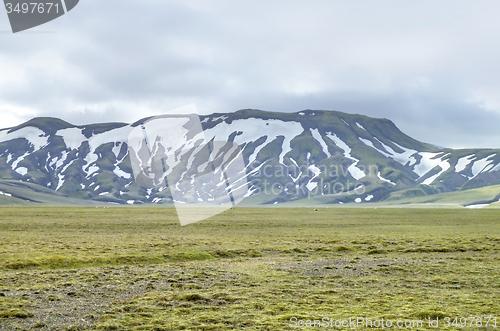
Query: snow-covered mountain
{"type": "Point", "coordinates": [286, 156]}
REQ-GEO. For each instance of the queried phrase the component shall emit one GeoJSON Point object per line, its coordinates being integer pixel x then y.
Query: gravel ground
{"type": "Point", "coordinates": [346, 267]}
{"type": "Point", "coordinates": [73, 300]}
{"type": "Point", "coordinates": [76, 299]}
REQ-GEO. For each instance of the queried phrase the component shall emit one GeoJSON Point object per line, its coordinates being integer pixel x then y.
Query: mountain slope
{"type": "Point", "coordinates": [15, 193]}
{"type": "Point", "coordinates": [330, 156]}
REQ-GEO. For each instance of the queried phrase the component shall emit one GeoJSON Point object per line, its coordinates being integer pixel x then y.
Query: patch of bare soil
{"type": "Point", "coordinates": [75, 300]}
{"type": "Point", "coordinates": [344, 267]}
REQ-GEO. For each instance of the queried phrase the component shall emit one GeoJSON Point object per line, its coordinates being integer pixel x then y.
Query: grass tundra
{"type": "Point", "coordinates": [130, 268]}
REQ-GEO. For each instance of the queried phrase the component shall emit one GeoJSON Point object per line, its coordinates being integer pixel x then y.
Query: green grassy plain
{"type": "Point", "coordinates": [135, 268]}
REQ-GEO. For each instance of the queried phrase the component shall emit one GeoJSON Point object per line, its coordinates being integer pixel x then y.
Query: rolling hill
{"type": "Point", "coordinates": [311, 156]}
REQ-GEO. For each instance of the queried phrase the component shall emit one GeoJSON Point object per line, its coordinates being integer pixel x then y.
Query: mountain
{"type": "Point", "coordinates": [329, 156]}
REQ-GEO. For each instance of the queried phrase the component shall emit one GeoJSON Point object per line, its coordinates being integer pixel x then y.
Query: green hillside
{"type": "Point", "coordinates": [310, 157]}
{"type": "Point", "coordinates": [27, 194]}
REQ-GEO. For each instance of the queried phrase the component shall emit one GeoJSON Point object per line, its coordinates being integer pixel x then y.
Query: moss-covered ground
{"type": "Point", "coordinates": [249, 268]}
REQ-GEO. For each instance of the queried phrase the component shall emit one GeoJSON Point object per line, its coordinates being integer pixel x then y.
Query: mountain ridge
{"type": "Point", "coordinates": [314, 154]}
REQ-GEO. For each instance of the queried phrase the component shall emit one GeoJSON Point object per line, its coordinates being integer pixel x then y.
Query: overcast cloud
{"type": "Point", "coordinates": [430, 66]}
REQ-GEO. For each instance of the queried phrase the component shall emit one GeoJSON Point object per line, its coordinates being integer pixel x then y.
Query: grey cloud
{"type": "Point", "coordinates": [431, 67]}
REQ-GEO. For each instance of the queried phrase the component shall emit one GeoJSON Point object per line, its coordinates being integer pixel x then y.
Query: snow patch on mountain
{"type": "Point", "coordinates": [73, 137]}
{"type": "Point", "coordinates": [360, 126]}
{"type": "Point", "coordinates": [384, 179]}
{"type": "Point", "coordinates": [315, 133]}
{"type": "Point", "coordinates": [427, 163]}
{"type": "Point", "coordinates": [444, 166]}
{"type": "Point", "coordinates": [316, 171]}
{"type": "Point", "coordinates": [67, 165]}
{"type": "Point", "coordinates": [22, 171]}
{"type": "Point", "coordinates": [478, 206]}
{"type": "Point", "coordinates": [34, 136]}
{"type": "Point", "coordinates": [297, 175]}
{"type": "Point", "coordinates": [355, 172]}
{"type": "Point", "coordinates": [111, 136]}
{"type": "Point", "coordinates": [215, 119]}
{"type": "Point", "coordinates": [61, 181]}
{"type": "Point", "coordinates": [496, 168]}
{"type": "Point", "coordinates": [19, 159]}
{"type": "Point", "coordinates": [117, 148]}
{"type": "Point", "coordinates": [369, 143]}
{"type": "Point", "coordinates": [60, 162]}
{"type": "Point", "coordinates": [480, 165]}
{"type": "Point", "coordinates": [53, 161]}
{"type": "Point", "coordinates": [252, 129]}
{"type": "Point", "coordinates": [120, 173]}
{"type": "Point", "coordinates": [463, 162]}
{"type": "Point", "coordinates": [403, 158]}
{"type": "Point", "coordinates": [91, 170]}
{"type": "Point", "coordinates": [168, 134]}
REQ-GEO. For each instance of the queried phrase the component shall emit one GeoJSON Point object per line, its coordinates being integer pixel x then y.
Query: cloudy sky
{"type": "Point", "coordinates": [432, 67]}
